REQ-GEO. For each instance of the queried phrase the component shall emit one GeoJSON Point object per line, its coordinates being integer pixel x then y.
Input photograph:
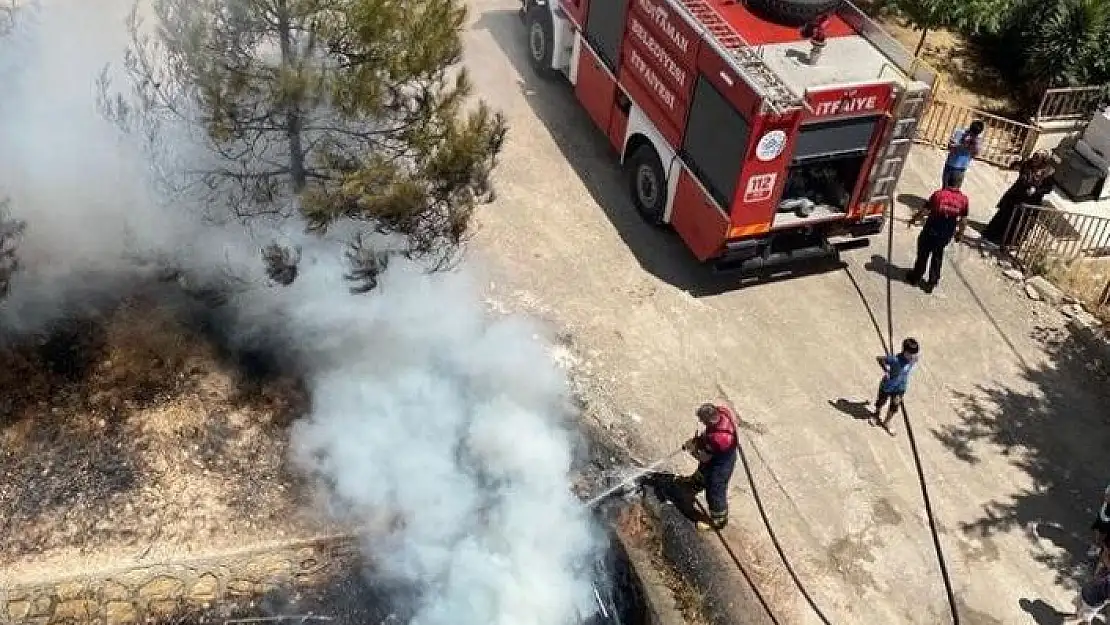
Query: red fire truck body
{"type": "Point", "coordinates": [728, 132]}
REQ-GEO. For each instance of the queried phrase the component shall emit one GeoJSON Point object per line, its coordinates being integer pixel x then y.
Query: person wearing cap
{"type": "Point", "coordinates": [896, 378]}
{"type": "Point", "coordinates": [715, 449]}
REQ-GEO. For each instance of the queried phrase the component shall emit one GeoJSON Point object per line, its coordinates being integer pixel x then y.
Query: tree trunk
{"type": "Point", "coordinates": [294, 120]}
{"type": "Point", "coordinates": [921, 42]}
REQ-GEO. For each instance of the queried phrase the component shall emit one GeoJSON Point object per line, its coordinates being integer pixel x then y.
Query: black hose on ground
{"type": "Point", "coordinates": [888, 345]}
{"type": "Point", "coordinates": [909, 431]}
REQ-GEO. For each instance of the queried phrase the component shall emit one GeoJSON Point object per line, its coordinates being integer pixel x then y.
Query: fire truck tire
{"type": "Point", "coordinates": [647, 184]}
{"type": "Point", "coordinates": [793, 11]}
{"type": "Point", "coordinates": [540, 36]}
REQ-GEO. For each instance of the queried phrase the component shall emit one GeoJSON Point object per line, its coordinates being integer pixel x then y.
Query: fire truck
{"type": "Point", "coordinates": [758, 142]}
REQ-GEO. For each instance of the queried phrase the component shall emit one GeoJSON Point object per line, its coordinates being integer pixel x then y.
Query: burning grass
{"type": "Point", "coordinates": [131, 431]}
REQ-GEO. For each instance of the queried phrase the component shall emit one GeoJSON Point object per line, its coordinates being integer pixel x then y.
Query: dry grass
{"type": "Point", "coordinates": [966, 79]}
{"type": "Point", "coordinates": [1086, 280]}
{"type": "Point", "coordinates": [639, 527]}
{"type": "Point", "coordinates": [129, 432]}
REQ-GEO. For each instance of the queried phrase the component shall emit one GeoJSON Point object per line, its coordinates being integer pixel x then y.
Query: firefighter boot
{"type": "Point", "coordinates": [717, 521]}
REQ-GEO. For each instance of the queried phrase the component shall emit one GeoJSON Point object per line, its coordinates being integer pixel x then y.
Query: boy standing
{"type": "Point", "coordinates": [896, 377]}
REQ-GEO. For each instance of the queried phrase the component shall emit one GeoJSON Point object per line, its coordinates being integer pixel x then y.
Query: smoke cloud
{"type": "Point", "coordinates": [440, 429]}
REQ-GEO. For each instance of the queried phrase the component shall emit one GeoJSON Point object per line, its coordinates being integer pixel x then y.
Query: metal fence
{"type": "Point", "coordinates": [1071, 103]}
{"type": "Point", "coordinates": [1005, 141]}
{"type": "Point", "coordinates": [1042, 239]}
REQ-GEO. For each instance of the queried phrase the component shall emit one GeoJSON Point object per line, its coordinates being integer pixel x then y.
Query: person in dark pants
{"type": "Point", "coordinates": [716, 451]}
{"type": "Point", "coordinates": [1033, 183]}
{"type": "Point", "coordinates": [896, 378]}
{"type": "Point", "coordinates": [1095, 594]}
{"type": "Point", "coordinates": [963, 147]}
{"type": "Point", "coordinates": [945, 215]}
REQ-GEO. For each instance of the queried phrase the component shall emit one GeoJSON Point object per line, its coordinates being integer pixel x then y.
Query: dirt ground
{"type": "Point", "coordinates": [129, 436]}
{"type": "Point", "coordinates": [965, 78]}
{"type": "Point", "coordinates": [1009, 418]}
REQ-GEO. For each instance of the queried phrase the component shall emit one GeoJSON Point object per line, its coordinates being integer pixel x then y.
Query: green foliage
{"type": "Point", "coordinates": [960, 15]}
{"type": "Point", "coordinates": [345, 109]}
{"type": "Point", "coordinates": [1053, 43]}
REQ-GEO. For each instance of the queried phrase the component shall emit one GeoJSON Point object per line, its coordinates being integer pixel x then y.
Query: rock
{"type": "Point", "coordinates": [113, 590]}
{"type": "Point", "coordinates": [41, 606]}
{"type": "Point", "coordinates": [76, 610]}
{"type": "Point", "coordinates": [164, 608]}
{"type": "Point", "coordinates": [120, 613]}
{"type": "Point", "coordinates": [1086, 319]}
{"type": "Point", "coordinates": [1068, 311]}
{"type": "Point", "coordinates": [162, 587]}
{"type": "Point", "coordinates": [19, 610]}
{"type": "Point", "coordinates": [241, 588]}
{"type": "Point", "coordinates": [1032, 292]}
{"type": "Point", "coordinates": [206, 587]}
{"type": "Point", "coordinates": [1014, 274]}
{"type": "Point", "coordinates": [69, 590]}
{"type": "Point", "coordinates": [1047, 290]}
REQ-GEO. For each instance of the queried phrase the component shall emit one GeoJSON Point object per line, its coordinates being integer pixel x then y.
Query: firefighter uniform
{"type": "Point", "coordinates": [718, 449]}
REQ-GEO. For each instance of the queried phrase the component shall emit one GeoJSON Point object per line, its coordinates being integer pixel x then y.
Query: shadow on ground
{"type": "Point", "coordinates": [1055, 431]}
{"type": "Point", "coordinates": [658, 250]}
{"type": "Point", "coordinates": [1043, 613]}
{"type": "Point", "coordinates": [858, 410]}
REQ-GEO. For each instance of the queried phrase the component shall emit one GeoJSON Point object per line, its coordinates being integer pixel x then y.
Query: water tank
{"type": "Point", "coordinates": [792, 12]}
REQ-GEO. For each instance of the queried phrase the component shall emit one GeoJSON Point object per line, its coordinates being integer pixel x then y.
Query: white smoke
{"type": "Point", "coordinates": [440, 429]}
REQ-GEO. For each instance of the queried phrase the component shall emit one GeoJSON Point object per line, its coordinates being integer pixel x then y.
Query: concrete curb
{"type": "Point", "coordinates": [660, 607]}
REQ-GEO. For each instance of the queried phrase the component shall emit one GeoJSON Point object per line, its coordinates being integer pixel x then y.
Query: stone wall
{"type": "Point", "coordinates": [133, 595]}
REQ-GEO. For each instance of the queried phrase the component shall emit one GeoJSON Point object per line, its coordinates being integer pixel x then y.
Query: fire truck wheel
{"type": "Point", "coordinates": [540, 34]}
{"type": "Point", "coordinates": [647, 184]}
{"type": "Point", "coordinates": [794, 11]}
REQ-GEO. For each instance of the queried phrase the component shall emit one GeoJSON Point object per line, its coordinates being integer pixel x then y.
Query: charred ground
{"type": "Point", "coordinates": [136, 429]}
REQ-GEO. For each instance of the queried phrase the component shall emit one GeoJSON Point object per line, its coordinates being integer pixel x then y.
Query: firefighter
{"type": "Point", "coordinates": [816, 30]}
{"type": "Point", "coordinates": [715, 449]}
{"type": "Point", "coordinates": [945, 216]}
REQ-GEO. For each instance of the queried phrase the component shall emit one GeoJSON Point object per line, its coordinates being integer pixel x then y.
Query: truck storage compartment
{"type": "Point", "coordinates": [828, 161]}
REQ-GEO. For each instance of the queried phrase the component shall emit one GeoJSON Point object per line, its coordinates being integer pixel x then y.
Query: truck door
{"type": "Point", "coordinates": [596, 87]}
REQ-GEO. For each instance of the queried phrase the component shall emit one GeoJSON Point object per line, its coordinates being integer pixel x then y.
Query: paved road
{"type": "Point", "coordinates": [1008, 426]}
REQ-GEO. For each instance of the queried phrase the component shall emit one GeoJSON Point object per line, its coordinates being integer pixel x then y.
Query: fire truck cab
{"type": "Point", "coordinates": [729, 129]}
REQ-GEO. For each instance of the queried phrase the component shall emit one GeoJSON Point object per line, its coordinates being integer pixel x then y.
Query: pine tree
{"type": "Point", "coordinates": [353, 109]}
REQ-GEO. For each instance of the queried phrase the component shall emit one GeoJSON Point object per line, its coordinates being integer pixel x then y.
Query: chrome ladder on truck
{"type": "Point", "coordinates": [780, 97]}
{"type": "Point", "coordinates": [908, 109]}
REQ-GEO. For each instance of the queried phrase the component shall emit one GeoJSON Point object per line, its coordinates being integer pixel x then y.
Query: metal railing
{"type": "Point", "coordinates": [1038, 236]}
{"type": "Point", "coordinates": [1071, 249]}
{"type": "Point", "coordinates": [1071, 103]}
{"type": "Point", "coordinates": [1005, 141]}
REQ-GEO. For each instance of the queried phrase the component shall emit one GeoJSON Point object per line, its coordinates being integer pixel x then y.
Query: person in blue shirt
{"type": "Point", "coordinates": [963, 146]}
{"type": "Point", "coordinates": [892, 388]}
